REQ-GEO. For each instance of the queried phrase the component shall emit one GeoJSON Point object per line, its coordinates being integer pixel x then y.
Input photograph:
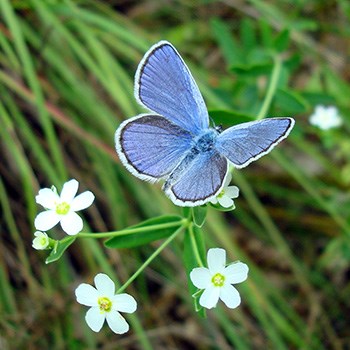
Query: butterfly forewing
{"type": "Point", "coordinates": [244, 143]}
{"type": "Point", "coordinates": [164, 84]}
{"type": "Point", "coordinates": [150, 146]}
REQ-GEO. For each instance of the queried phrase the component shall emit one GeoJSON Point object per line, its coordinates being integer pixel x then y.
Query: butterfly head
{"type": "Point", "coordinates": [219, 129]}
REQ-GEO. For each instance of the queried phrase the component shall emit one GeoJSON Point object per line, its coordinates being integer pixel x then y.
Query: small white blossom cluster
{"type": "Point", "coordinates": [216, 280]}
{"type": "Point", "coordinates": [60, 209]}
{"type": "Point", "coordinates": [105, 304]}
{"type": "Point", "coordinates": [41, 240]}
{"type": "Point", "coordinates": [225, 197]}
{"type": "Point", "coordinates": [326, 118]}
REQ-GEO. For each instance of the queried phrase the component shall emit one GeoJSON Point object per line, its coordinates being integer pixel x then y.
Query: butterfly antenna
{"type": "Point", "coordinates": [212, 122]}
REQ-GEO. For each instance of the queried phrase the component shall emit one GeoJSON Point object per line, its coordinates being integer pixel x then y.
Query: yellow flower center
{"type": "Point", "coordinates": [43, 241]}
{"type": "Point", "coordinates": [221, 194]}
{"type": "Point", "coordinates": [62, 208]}
{"type": "Point", "coordinates": [218, 280]}
{"type": "Point", "coordinates": [105, 304]}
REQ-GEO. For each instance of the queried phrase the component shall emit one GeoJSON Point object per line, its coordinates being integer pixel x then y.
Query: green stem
{"type": "Point", "coordinates": [195, 246]}
{"type": "Point", "coordinates": [272, 87]}
{"type": "Point", "coordinates": [150, 259]}
{"type": "Point", "coordinates": [130, 231]}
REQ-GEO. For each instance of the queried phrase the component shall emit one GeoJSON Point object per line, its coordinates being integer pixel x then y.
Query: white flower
{"type": "Point", "coordinates": [41, 240]}
{"type": "Point", "coordinates": [326, 117]}
{"type": "Point", "coordinates": [62, 208]}
{"type": "Point", "coordinates": [217, 280]}
{"type": "Point", "coordinates": [224, 198]}
{"type": "Point", "coordinates": [105, 304]}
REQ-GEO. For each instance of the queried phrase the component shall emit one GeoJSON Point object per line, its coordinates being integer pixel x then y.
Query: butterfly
{"type": "Point", "coordinates": [175, 142]}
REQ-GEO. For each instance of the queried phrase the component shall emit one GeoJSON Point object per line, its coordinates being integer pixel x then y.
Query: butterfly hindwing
{"type": "Point", "coordinates": [244, 143]}
{"type": "Point", "coordinates": [150, 146]}
{"type": "Point", "coordinates": [203, 179]}
{"type": "Point", "coordinates": [164, 84]}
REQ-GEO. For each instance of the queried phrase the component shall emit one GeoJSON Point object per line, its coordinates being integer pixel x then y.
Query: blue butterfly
{"type": "Point", "coordinates": [175, 142]}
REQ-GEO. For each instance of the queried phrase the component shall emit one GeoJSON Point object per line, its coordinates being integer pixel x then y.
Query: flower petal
{"type": "Point", "coordinates": [94, 318]}
{"type": "Point", "coordinates": [124, 303]}
{"type": "Point", "coordinates": [87, 295]}
{"type": "Point", "coordinates": [117, 322]}
{"type": "Point", "coordinates": [214, 200]}
{"type": "Point", "coordinates": [225, 201]}
{"type": "Point", "coordinates": [71, 223]}
{"type": "Point", "coordinates": [227, 180]}
{"type": "Point", "coordinates": [46, 220]}
{"type": "Point", "coordinates": [320, 109]}
{"type": "Point", "coordinates": [47, 198]}
{"type": "Point", "coordinates": [232, 191]}
{"type": "Point", "coordinates": [69, 191]}
{"type": "Point", "coordinates": [210, 297]}
{"type": "Point", "coordinates": [236, 272]}
{"type": "Point", "coordinates": [216, 259]}
{"type": "Point", "coordinates": [82, 201]}
{"type": "Point", "coordinates": [230, 296]}
{"type": "Point", "coordinates": [332, 112]}
{"type": "Point", "coordinates": [104, 285]}
{"type": "Point", "coordinates": [39, 234]}
{"type": "Point", "coordinates": [200, 277]}
{"type": "Point", "coordinates": [41, 240]}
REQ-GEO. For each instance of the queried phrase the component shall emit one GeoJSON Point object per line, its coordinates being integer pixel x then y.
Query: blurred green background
{"type": "Point", "coordinates": [66, 82]}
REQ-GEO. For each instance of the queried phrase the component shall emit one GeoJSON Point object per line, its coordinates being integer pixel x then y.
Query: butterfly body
{"type": "Point", "coordinates": [175, 142]}
{"type": "Point", "coordinates": [203, 143]}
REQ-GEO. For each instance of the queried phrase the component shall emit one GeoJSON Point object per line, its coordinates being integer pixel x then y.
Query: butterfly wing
{"type": "Point", "coordinates": [164, 84]}
{"type": "Point", "coordinates": [150, 146]}
{"type": "Point", "coordinates": [202, 180]}
{"type": "Point", "coordinates": [244, 143]}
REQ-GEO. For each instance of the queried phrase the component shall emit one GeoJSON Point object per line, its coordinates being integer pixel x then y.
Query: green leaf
{"type": "Point", "coordinates": [318, 98]}
{"type": "Point", "coordinates": [266, 33]}
{"type": "Point", "coordinates": [59, 249]}
{"type": "Point", "coordinates": [146, 232]}
{"type": "Point", "coordinates": [258, 61]}
{"type": "Point", "coordinates": [201, 311]}
{"type": "Point", "coordinates": [252, 69]}
{"type": "Point", "coordinates": [220, 208]}
{"type": "Point", "coordinates": [247, 33]}
{"type": "Point", "coordinates": [199, 215]}
{"type": "Point", "coordinates": [290, 102]}
{"type": "Point", "coordinates": [281, 42]}
{"type": "Point", "coordinates": [223, 117]}
{"type": "Point", "coordinates": [186, 212]}
{"type": "Point", "coordinates": [228, 45]}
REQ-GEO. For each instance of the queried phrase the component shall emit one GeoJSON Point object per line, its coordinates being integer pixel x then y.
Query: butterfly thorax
{"type": "Point", "coordinates": [205, 141]}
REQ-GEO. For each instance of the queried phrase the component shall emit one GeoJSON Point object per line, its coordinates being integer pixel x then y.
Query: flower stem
{"type": "Point", "coordinates": [195, 246]}
{"type": "Point", "coordinates": [150, 259]}
{"type": "Point", "coordinates": [130, 231]}
{"type": "Point", "coordinates": [272, 87]}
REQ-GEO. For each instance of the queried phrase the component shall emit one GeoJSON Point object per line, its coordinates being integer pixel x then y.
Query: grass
{"type": "Point", "coordinates": [66, 82]}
